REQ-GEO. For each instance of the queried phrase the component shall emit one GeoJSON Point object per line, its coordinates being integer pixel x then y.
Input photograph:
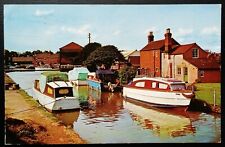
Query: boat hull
{"type": "Point", "coordinates": [95, 84]}
{"type": "Point", "coordinates": [60, 103]}
{"type": "Point", "coordinates": [157, 98]}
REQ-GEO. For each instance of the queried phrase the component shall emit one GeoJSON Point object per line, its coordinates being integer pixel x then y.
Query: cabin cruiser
{"type": "Point", "coordinates": [160, 92]}
{"type": "Point", "coordinates": [55, 92]}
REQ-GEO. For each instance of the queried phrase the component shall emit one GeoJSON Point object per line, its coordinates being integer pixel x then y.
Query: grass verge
{"type": "Point", "coordinates": [205, 91]}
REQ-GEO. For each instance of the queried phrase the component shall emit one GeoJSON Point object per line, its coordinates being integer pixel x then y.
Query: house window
{"type": "Point", "coordinates": [201, 73]}
{"type": "Point", "coordinates": [185, 71]}
{"type": "Point", "coordinates": [195, 53]}
{"type": "Point", "coordinates": [178, 70]}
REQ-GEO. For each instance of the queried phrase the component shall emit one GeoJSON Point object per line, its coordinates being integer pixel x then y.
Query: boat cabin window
{"type": "Point", "coordinates": [163, 86]}
{"type": "Point", "coordinates": [140, 84]}
{"type": "Point", "coordinates": [61, 92]}
{"type": "Point", "coordinates": [50, 91]}
{"type": "Point", "coordinates": [154, 84]}
{"type": "Point", "coordinates": [177, 87]}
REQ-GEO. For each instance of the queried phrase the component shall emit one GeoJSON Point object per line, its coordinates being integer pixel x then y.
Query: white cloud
{"type": "Point", "coordinates": [43, 12]}
{"type": "Point", "coordinates": [117, 32]}
{"type": "Point", "coordinates": [83, 30]}
{"type": "Point", "coordinates": [184, 32]}
{"type": "Point", "coordinates": [210, 31]}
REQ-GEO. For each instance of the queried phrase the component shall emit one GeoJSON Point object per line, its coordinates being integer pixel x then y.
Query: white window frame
{"type": "Point", "coordinates": [179, 70]}
{"type": "Point", "coordinates": [193, 53]}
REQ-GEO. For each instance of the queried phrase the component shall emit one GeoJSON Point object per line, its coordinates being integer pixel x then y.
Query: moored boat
{"type": "Point", "coordinates": [55, 92]}
{"type": "Point", "coordinates": [159, 92]}
{"type": "Point", "coordinates": [78, 76]}
{"type": "Point", "coordinates": [103, 80]}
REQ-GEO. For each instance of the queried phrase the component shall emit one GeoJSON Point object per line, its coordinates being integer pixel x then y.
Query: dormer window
{"type": "Point", "coordinates": [195, 53]}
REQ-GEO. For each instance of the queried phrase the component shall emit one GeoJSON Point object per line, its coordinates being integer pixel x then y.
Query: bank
{"type": "Point", "coordinates": [28, 123]}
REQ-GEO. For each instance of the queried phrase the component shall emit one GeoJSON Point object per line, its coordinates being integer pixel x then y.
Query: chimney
{"type": "Point", "coordinates": [150, 37]}
{"type": "Point", "coordinates": [168, 40]}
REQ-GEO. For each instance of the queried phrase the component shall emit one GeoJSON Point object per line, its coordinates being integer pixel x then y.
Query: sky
{"type": "Point", "coordinates": [50, 27]}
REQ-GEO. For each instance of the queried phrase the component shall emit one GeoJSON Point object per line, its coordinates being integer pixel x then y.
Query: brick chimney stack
{"type": "Point", "coordinates": [150, 37]}
{"type": "Point", "coordinates": [168, 40]}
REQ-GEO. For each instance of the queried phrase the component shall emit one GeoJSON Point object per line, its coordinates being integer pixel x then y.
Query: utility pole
{"type": "Point", "coordinates": [89, 37]}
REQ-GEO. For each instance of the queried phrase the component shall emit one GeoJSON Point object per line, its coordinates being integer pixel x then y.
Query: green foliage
{"type": "Point", "coordinates": [126, 74]}
{"type": "Point", "coordinates": [88, 49]}
{"type": "Point", "coordinates": [103, 55]}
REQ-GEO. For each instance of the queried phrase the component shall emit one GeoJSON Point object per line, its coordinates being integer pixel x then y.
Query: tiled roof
{"type": "Point", "coordinates": [204, 63]}
{"type": "Point", "coordinates": [126, 53]}
{"type": "Point", "coordinates": [181, 49]}
{"type": "Point", "coordinates": [71, 47]}
{"type": "Point", "coordinates": [22, 59]}
{"type": "Point", "coordinates": [158, 44]}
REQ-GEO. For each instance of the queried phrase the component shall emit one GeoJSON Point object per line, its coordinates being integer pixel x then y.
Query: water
{"type": "Point", "coordinates": [113, 119]}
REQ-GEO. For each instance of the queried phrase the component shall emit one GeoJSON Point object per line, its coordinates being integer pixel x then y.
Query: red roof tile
{"type": "Point", "coordinates": [22, 59]}
{"type": "Point", "coordinates": [204, 63]}
{"type": "Point", "coordinates": [181, 49]}
{"type": "Point", "coordinates": [71, 47]}
{"type": "Point", "coordinates": [158, 44]}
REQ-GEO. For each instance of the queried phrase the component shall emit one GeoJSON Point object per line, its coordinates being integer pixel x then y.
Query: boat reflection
{"type": "Point", "coordinates": [163, 124]}
{"type": "Point", "coordinates": [81, 92]}
{"type": "Point", "coordinates": [67, 117]}
{"type": "Point", "coordinates": [103, 106]}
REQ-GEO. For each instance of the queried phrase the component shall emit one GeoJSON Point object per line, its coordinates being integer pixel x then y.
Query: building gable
{"type": "Point", "coordinates": [71, 47]}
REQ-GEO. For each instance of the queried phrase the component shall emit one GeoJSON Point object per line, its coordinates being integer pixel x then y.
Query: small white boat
{"type": "Point", "coordinates": [55, 92]}
{"type": "Point", "coordinates": [160, 92]}
{"type": "Point", "coordinates": [78, 76]}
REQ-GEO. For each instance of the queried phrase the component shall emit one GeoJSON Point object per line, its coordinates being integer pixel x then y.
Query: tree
{"type": "Point", "coordinates": [88, 49]}
{"type": "Point", "coordinates": [36, 52]}
{"type": "Point", "coordinates": [25, 54]}
{"type": "Point", "coordinates": [104, 55]}
{"type": "Point", "coordinates": [127, 73]}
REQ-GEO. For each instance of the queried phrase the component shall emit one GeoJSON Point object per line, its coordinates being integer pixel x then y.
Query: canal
{"type": "Point", "coordinates": [111, 118]}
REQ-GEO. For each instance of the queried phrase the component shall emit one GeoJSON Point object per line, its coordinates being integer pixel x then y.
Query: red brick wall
{"type": "Point", "coordinates": [149, 61]}
{"type": "Point", "coordinates": [211, 76]}
{"type": "Point", "coordinates": [134, 60]}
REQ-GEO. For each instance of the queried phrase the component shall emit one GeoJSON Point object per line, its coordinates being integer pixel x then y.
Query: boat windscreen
{"type": "Point", "coordinates": [175, 87]}
{"type": "Point", "coordinates": [63, 91]}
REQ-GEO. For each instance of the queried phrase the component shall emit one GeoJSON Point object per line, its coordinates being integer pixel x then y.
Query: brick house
{"type": "Point", "coordinates": [24, 61]}
{"type": "Point", "coordinates": [151, 54]}
{"type": "Point", "coordinates": [70, 54]}
{"type": "Point", "coordinates": [46, 58]}
{"type": "Point", "coordinates": [134, 58]}
{"type": "Point", "coordinates": [189, 62]}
